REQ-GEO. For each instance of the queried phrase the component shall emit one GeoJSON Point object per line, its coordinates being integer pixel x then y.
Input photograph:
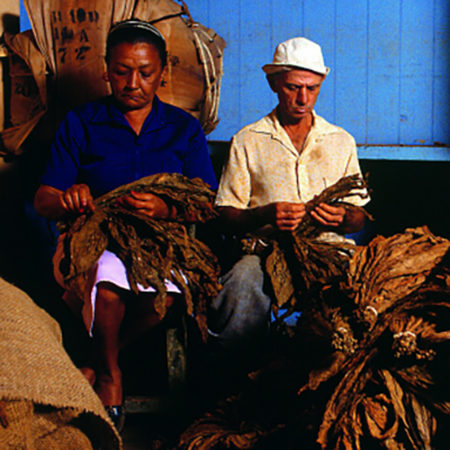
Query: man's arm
{"type": "Point", "coordinates": [283, 216]}
{"type": "Point", "coordinates": [287, 216]}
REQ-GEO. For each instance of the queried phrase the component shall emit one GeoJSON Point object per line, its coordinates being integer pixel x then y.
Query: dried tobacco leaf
{"type": "Point", "coordinates": [301, 258]}
{"type": "Point", "coordinates": [151, 250]}
{"type": "Point", "coordinates": [389, 269]}
{"type": "Point", "coordinates": [383, 376]}
{"type": "Point", "coordinates": [217, 431]}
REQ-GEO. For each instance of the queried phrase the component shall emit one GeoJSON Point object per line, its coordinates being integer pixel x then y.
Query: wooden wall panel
{"type": "Point", "coordinates": [350, 70]}
{"type": "Point", "coordinates": [390, 71]}
{"type": "Point", "coordinates": [441, 72]}
{"type": "Point", "coordinates": [383, 81]}
{"type": "Point", "coordinates": [254, 50]}
{"type": "Point", "coordinates": [416, 73]}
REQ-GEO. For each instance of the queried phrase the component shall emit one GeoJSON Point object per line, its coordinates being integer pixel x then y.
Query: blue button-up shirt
{"type": "Point", "coordinates": [96, 146]}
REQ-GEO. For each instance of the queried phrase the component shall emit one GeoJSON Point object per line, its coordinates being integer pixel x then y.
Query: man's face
{"type": "Point", "coordinates": [135, 73]}
{"type": "Point", "coordinates": [297, 92]}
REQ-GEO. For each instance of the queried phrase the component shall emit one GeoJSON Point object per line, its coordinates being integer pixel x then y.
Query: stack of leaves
{"type": "Point", "coordinates": [389, 339]}
{"type": "Point", "coordinates": [151, 250]}
{"type": "Point", "coordinates": [308, 255]}
{"type": "Point", "coordinates": [367, 368]}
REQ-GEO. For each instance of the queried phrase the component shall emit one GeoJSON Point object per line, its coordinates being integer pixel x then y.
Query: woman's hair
{"type": "Point", "coordinates": [135, 31]}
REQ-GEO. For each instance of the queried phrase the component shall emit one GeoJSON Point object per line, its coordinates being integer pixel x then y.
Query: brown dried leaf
{"type": "Point", "coordinates": [390, 269]}
{"type": "Point", "coordinates": [382, 424]}
{"type": "Point", "coordinates": [280, 277]}
{"type": "Point", "coordinates": [151, 250]}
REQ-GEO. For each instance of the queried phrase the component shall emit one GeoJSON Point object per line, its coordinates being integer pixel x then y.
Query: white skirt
{"type": "Point", "coordinates": [109, 268]}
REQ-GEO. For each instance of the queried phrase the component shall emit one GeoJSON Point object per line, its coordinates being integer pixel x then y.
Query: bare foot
{"type": "Point", "coordinates": [89, 374]}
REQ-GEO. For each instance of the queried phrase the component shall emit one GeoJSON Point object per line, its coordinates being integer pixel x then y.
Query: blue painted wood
{"type": "Point", "coordinates": [416, 73]}
{"type": "Point", "coordinates": [255, 50]}
{"type": "Point", "coordinates": [24, 20]}
{"type": "Point", "coordinates": [287, 21]}
{"type": "Point", "coordinates": [441, 72]}
{"type": "Point", "coordinates": [383, 81]}
{"type": "Point", "coordinates": [390, 66]}
{"type": "Point", "coordinates": [404, 153]}
{"type": "Point", "coordinates": [350, 69]}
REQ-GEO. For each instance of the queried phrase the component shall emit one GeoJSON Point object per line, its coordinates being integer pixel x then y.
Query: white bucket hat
{"type": "Point", "coordinates": [297, 53]}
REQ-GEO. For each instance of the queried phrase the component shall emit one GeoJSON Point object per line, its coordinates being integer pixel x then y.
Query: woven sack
{"type": "Point", "coordinates": [45, 402]}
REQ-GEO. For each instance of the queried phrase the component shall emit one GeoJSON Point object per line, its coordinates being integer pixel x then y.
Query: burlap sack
{"type": "Point", "coordinates": [45, 402]}
{"type": "Point", "coordinates": [27, 75]}
{"type": "Point", "coordinates": [71, 37]}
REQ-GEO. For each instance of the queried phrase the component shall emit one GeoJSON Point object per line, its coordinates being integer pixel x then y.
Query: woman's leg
{"type": "Point", "coordinates": [109, 314]}
{"type": "Point", "coordinates": [113, 329]}
{"type": "Point", "coordinates": [141, 316]}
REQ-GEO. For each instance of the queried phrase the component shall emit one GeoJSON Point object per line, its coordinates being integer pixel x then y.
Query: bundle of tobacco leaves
{"type": "Point", "coordinates": [389, 340]}
{"type": "Point", "coordinates": [151, 250]}
{"type": "Point", "coordinates": [367, 366]}
{"type": "Point", "coordinates": [302, 258]}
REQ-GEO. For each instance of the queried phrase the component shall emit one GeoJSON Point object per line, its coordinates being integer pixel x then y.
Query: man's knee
{"type": "Point", "coordinates": [247, 271]}
{"type": "Point", "coordinates": [242, 305]}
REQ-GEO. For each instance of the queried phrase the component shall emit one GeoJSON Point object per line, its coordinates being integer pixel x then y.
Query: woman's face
{"type": "Point", "coordinates": [135, 73]}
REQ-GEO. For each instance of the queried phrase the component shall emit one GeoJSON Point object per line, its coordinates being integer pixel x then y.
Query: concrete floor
{"type": "Point", "coordinates": [139, 433]}
{"type": "Point", "coordinates": [150, 432]}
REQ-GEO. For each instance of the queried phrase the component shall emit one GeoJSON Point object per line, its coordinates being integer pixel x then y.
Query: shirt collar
{"type": "Point", "coordinates": [110, 114]}
{"type": "Point", "coordinates": [270, 124]}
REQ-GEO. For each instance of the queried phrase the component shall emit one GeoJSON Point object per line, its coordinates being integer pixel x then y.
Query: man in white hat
{"type": "Point", "coordinates": [274, 167]}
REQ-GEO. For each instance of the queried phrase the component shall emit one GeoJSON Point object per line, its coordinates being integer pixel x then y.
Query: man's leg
{"type": "Point", "coordinates": [239, 318]}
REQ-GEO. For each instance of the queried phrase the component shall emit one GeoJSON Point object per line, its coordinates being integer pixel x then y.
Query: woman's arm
{"type": "Point", "coordinates": [54, 204]}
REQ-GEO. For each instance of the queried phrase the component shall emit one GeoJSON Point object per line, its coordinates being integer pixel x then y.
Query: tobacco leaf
{"type": "Point", "coordinates": [300, 258]}
{"type": "Point", "coordinates": [392, 268]}
{"type": "Point", "coordinates": [376, 412]}
{"type": "Point", "coordinates": [280, 276]}
{"type": "Point", "coordinates": [151, 250]}
{"type": "Point", "coordinates": [218, 431]}
{"type": "Point", "coordinates": [376, 332]}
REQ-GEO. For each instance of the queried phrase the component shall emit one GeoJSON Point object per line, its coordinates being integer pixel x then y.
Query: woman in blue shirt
{"type": "Point", "coordinates": [110, 142]}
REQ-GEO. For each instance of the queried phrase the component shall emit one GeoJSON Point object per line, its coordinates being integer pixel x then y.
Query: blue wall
{"type": "Point", "coordinates": [390, 67]}
{"type": "Point", "coordinates": [389, 83]}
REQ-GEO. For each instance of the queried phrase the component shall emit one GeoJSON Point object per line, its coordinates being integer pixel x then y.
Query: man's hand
{"type": "Point", "coordinates": [284, 215]}
{"type": "Point", "coordinates": [329, 216]}
{"type": "Point", "coordinates": [77, 199]}
{"type": "Point", "coordinates": [147, 204]}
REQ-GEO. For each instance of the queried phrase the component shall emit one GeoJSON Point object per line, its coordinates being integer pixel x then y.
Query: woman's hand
{"type": "Point", "coordinates": [78, 199]}
{"type": "Point", "coordinates": [148, 204]}
{"type": "Point", "coordinates": [54, 204]}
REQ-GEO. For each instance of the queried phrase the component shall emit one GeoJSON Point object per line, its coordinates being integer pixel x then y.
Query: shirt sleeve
{"type": "Point", "coordinates": [235, 184]}
{"type": "Point", "coordinates": [62, 168]}
{"type": "Point", "coordinates": [198, 162]}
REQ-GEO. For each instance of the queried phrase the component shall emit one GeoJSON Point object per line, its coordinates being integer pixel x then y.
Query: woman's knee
{"type": "Point", "coordinates": [109, 294]}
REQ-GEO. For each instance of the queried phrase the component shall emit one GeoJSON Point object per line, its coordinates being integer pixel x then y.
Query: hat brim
{"type": "Point", "coordinates": [270, 69]}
